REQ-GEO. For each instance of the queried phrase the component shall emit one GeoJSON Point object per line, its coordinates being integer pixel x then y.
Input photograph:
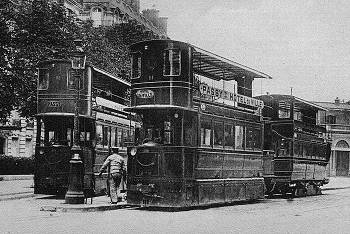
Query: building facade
{"type": "Point", "coordinates": [337, 122]}
{"type": "Point", "coordinates": [17, 137]}
{"type": "Point", "coordinates": [107, 13]}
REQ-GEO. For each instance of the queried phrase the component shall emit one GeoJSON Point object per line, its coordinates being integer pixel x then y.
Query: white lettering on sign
{"type": "Point", "coordinates": [207, 90]}
{"type": "Point", "coordinates": [144, 93]}
{"type": "Point", "coordinates": [54, 104]}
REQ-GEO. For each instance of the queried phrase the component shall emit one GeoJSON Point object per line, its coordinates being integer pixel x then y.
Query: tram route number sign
{"type": "Point", "coordinates": [144, 93]}
{"type": "Point", "coordinates": [54, 104]}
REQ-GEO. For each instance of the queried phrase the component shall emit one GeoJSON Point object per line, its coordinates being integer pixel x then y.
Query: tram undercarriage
{"type": "Point", "coordinates": [299, 188]}
{"type": "Point", "coordinates": [195, 193]}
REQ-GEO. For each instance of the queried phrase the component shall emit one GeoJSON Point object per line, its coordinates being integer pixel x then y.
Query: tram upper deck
{"type": "Point", "coordinates": [168, 73]}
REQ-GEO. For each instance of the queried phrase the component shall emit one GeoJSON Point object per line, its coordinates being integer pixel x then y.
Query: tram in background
{"type": "Point", "coordinates": [200, 140]}
{"type": "Point", "coordinates": [297, 150]}
{"type": "Point", "coordinates": [100, 98]}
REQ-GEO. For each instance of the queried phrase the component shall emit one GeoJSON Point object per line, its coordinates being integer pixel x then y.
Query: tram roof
{"type": "Point", "coordinates": [111, 76]}
{"type": "Point", "coordinates": [222, 68]}
{"type": "Point", "coordinates": [218, 67]}
{"type": "Point", "coordinates": [301, 102]}
{"type": "Point", "coordinates": [103, 72]}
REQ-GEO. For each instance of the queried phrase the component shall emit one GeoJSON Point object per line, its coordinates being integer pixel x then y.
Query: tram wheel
{"type": "Point", "coordinates": [300, 192]}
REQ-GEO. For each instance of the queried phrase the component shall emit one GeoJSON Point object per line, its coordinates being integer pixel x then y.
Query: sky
{"type": "Point", "coordinates": [304, 45]}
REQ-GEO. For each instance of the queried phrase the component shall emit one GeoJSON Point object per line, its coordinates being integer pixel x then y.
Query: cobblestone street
{"type": "Point", "coordinates": [328, 213]}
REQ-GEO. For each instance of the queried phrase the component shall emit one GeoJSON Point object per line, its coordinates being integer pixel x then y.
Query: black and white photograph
{"type": "Point", "coordinates": [174, 116]}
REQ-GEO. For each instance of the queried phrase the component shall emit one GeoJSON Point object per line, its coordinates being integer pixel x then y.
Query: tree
{"type": "Point", "coordinates": [8, 98]}
{"type": "Point", "coordinates": [36, 30]}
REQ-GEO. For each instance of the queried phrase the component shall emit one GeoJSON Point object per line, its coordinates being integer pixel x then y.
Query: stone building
{"type": "Point", "coordinates": [337, 122]}
{"type": "Point", "coordinates": [17, 137]}
{"type": "Point", "coordinates": [109, 12]}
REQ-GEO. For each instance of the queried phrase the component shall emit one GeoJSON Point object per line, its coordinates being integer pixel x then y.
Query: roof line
{"type": "Point", "coordinates": [260, 74]}
{"type": "Point", "coordinates": [310, 103]}
{"type": "Point", "coordinates": [112, 76]}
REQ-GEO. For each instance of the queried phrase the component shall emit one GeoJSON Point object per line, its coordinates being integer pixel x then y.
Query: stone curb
{"type": "Point", "coordinates": [86, 209]}
{"type": "Point", "coordinates": [16, 177]}
{"type": "Point", "coordinates": [335, 188]}
{"type": "Point", "coordinates": [7, 197]}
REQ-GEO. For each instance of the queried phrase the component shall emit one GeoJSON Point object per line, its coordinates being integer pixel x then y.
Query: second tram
{"type": "Point", "coordinates": [201, 135]}
{"type": "Point", "coordinates": [297, 149]}
{"type": "Point", "coordinates": [100, 99]}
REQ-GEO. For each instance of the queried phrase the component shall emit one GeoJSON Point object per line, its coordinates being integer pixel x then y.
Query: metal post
{"type": "Point", "coordinates": [75, 193]}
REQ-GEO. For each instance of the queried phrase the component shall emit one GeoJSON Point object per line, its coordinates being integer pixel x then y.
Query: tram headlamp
{"type": "Point", "coordinates": [133, 151]}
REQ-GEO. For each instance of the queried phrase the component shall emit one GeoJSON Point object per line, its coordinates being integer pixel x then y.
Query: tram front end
{"type": "Point", "coordinates": [155, 176]}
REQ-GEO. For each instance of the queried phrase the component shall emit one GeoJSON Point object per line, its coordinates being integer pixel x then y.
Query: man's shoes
{"type": "Point", "coordinates": [114, 203]}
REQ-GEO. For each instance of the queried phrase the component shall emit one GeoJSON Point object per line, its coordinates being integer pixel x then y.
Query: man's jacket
{"type": "Point", "coordinates": [116, 163]}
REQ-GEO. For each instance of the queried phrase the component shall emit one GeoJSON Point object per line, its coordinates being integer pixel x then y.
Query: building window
{"type": "Point", "coordinates": [172, 62]}
{"type": "Point", "coordinates": [96, 16]}
{"type": "Point", "coordinates": [15, 147]}
{"type": "Point", "coordinates": [342, 144]}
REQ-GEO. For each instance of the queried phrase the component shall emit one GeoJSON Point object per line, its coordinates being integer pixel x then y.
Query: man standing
{"type": "Point", "coordinates": [116, 167]}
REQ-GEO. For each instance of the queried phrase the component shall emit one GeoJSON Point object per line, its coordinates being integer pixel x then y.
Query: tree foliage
{"type": "Point", "coordinates": [35, 30]}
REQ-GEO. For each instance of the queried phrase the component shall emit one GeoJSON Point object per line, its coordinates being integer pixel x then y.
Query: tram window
{"type": "Point", "coordinates": [229, 135]}
{"type": "Point", "coordinates": [296, 148]}
{"type": "Point", "coordinates": [307, 150]}
{"type": "Point", "coordinates": [239, 137]}
{"type": "Point", "coordinates": [283, 110]}
{"type": "Point", "coordinates": [85, 136]}
{"type": "Point", "coordinates": [113, 141]}
{"type": "Point", "coordinates": [119, 137]}
{"type": "Point", "coordinates": [172, 62]}
{"type": "Point", "coordinates": [167, 132]}
{"type": "Point", "coordinates": [43, 79]}
{"type": "Point", "coordinates": [75, 80]}
{"type": "Point", "coordinates": [253, 138]}
{"type": "Point", "coordinates": [99, 134]}
{"type": "Point", "coordinates": [218, 134]}
{"type": "Point", "coordinates": [69, 136]}
{"type": "Point", "coordinates": [124, 137]}
{"type": "Point", "coordinates": [136, 66]}
{"type": "Point", "coordinates": [206, 133]}
{"type": "Point", "coordinates": [297, 115]}
{"type": "Point", "coordinates": [189, 132]}
{"type": "Point", "coordinates": [105, 139]}
{"type": "Point", "coordinates": [249, 138]}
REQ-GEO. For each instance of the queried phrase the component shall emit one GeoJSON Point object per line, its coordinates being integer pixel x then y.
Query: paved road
{"type": "Point", "coordinates": [329, 213]}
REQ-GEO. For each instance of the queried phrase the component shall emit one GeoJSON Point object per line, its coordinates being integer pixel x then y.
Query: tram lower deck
{"type": "Point", "coordinates": [183, 177]}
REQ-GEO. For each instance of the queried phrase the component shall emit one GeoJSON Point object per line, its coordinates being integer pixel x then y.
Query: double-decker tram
{"type": "Point", "coordinates": [100, 99]}
{"type": "Point", "coordinates": [297, 149]}
{"type": "Point", "coordinates": [200, 140]}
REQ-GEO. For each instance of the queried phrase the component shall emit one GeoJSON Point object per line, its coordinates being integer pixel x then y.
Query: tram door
{"type": "Point", "coordinates": [342, 163]}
